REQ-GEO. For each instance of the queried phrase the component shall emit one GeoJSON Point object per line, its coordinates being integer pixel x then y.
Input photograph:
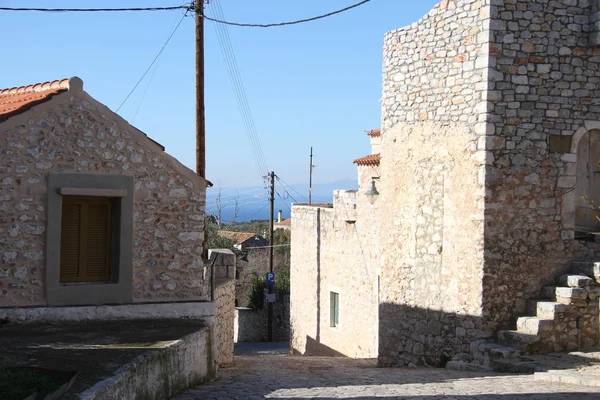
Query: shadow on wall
{"type": "Point", "coordinates": [412, 336]}
{"type": "Point", "coordinates": [314, 348]}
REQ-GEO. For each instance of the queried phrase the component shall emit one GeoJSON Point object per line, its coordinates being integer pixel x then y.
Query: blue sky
{"type": "Point", "coordinates": [315, 84]}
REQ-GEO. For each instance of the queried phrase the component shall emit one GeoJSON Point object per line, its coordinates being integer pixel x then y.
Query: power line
{"type": "Point", "coordinates": [149, 81]}
{"type": "Point", "coordinates": [300, 21]}
{"type": "Point", "coordinates": [96, 9]}
{"type": "Point", "coordinates": [239, 91]}
{"type": "Point", "coordinates": [187, 8]}
{"type": "Point", "coordinates": [152, 63]}
{"type": "Point", "coordinates": [283, 183]}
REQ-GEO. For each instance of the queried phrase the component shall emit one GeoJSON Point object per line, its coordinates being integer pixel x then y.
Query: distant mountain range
{"type": "Point", "coordinates": [254, 200]}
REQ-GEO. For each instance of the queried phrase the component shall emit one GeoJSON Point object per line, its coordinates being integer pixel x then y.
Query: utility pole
{"type": "Point", "coordinates": [200, 121]}
{"type": "Point", "coordinates": [271, 217]}
{"type": "Point", "coordinates": [310, 180]}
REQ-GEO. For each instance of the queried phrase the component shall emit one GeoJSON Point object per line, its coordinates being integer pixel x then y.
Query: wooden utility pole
{"type": "Point", "coordinates": [310, 180]}
{"type": "Point", "coordinates": [271, 241]}
{"type": "Point", "coordinates": [200, 121]}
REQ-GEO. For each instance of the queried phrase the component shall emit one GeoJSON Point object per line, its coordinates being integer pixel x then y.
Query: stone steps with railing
{"type": "Point", "coordinates": [565, 318]}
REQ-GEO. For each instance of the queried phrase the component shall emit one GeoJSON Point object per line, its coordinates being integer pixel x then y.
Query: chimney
{"type": "Point", "coordinates": [279, 216]}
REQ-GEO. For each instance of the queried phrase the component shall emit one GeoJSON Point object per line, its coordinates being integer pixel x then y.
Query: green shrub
{"type": "Point", "coordinates": [256, 299]}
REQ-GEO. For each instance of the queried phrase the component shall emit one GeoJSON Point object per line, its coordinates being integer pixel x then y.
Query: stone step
{"type": "Point", "coordinates": [569, 376]}
{"type": "Point", "coordinates": [548, 309]}
{"type": "Point", "coordinates": [534, 325]}
{"type": "Point", "coordinates": [515, 366]}
{"type": "Point", "coordinates": [493, 351]}
{"type": "Point", "coordinates": [575, 281]}
{"type": "Point", "coordinates": [589, 268]}
{"type": "Point", "coordinates": [517, 340]}
{"type": "Point", "coordinates": [564, 295]}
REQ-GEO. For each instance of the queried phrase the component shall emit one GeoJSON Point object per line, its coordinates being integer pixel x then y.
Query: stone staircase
{"type": "Point", "coordinates": [564, 318]}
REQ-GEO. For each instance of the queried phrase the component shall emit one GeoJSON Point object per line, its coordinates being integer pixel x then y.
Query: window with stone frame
{"type": "Point", "coordinates": [334, 309]}
{"type": "Point", "coordinates": [89, 230]}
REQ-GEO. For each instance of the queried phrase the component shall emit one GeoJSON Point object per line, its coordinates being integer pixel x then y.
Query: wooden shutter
{"type": "Point", "coordinates": [70, 235]}
{"type": "Point", "coordinates": [97, 245]}
{"type": "Point", "coordinates": [85, 240]}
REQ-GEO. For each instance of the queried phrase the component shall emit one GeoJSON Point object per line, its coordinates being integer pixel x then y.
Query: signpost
{"type": "Point", "coordinates": [270, 278]}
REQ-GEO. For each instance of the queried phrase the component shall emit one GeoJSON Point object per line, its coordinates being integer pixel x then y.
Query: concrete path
{"type": "Point", "coordinates": [262, 371]}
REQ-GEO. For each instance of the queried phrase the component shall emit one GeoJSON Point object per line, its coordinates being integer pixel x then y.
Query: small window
{"type": "Point", "coordinates": [87, 239]}
{"type": "Point", "coordinates": [334, 309]}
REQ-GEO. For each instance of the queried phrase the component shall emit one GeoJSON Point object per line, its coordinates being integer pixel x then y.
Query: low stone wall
{"type": "Point", "coordinates": [252, 325]}
{"type": "Point", "coordinates": [224, 330]}
{"type": "Point", "coordinates": [223, 262]}
{"type": "Point", "coordinates": [161, 374]}
{"type": "Point", "coordinates": [196, 310]}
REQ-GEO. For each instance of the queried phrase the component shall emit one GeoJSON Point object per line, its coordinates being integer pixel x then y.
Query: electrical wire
{"type": "Point", "coordinates": [294, 190]}
{"type": "Point", "coordinates": [152, 63]}
{"type": "Point", "coordinates": [300, 21]}
{"type": "Point", "coordinates": [188, 7]}
{"type": "Point", "coordinates": [149, 81]}
{"type": "Point", "coordinates": [239, 90]}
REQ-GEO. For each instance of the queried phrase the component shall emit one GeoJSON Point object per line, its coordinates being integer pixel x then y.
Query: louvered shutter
{"type": "Point", "coordinates": [85, 240]}
{"type": "Point", "coordinates": [97, 243]}
{"type": "Point", "coordinates": [70, 235]}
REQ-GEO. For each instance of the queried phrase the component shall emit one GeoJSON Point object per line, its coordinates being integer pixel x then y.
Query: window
{"type": "Point", "coordinates": [89, 239]}
{"type": "Point", "coordinates": [334, 309]}
{"type": "Point", "coordinates": [86, 240]}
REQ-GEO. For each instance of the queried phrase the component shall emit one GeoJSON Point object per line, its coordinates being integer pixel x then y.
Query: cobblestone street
{"type": "Point", "coordinates": [273, 375]}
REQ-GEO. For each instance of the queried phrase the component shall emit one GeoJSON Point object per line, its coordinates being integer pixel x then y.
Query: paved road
{"type": "Point", "coordinates": [262, 374]}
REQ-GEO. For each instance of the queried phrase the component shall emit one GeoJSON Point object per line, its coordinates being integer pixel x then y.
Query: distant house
{"type": "Point", "coordinates": [281, 223]}
{"type": "Point", "coordinates": [244, 240]}
{"type": "Point", "coordinates": [93, 210]}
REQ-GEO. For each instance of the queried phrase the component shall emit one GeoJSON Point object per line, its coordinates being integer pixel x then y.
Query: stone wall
{"type": "Point", "coordinates": [224, 327]}
{"type": "Point", "coordinates": [431, 202]}
{"type": "Point", "coordinates": [223, 263]}
{"type": "Point", "coordinates": [542, 92]}
{"type": "Point", "coordinates": [252, 325]}
{"type": "Point", "coordinates": [254, 260]}
{"type": "Point", "coordinates": [331, 254]}
{"type": "Point", "coordinates": [74, 133]}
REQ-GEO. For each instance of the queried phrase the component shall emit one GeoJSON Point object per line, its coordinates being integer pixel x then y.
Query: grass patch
{"type": "Point", "coordinates": [18, 383]}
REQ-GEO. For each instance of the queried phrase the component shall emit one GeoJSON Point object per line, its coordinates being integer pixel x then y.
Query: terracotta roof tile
{"type": "Point", "coordinates": [374, 133]}
{"type": "Point", "coordinates": [16, 100]}
{"type": "Point", "coordinates": [372, 159]}
{"type": "Point", "coordinates": [285, 222]}
{"type": "Point", "coordinates": [237, 237]}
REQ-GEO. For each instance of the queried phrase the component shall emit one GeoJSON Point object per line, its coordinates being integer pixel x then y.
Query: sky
{"type": "Point", "coordinates": [314, 84]}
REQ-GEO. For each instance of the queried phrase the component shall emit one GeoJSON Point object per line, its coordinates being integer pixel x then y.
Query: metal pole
{"type": "Point", "coordinates": [310, 180]}
{"type": "Point", "coordinates": [200, 121]}
{"type": "Point", "coordinates": [271, 217]}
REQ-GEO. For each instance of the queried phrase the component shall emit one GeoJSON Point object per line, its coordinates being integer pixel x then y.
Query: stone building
{"type": "Point", "coordinates": [92, 211]}
{"type": "Point", "coordinates": [487, 147]}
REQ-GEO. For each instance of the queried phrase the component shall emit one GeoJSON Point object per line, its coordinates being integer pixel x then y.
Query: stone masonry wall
{"type": "Point", "coordinates": [543, 87]}
{"type": "Point", "coordinates": [331, 255]}
{"type": "Point", "coordinates": [432, 185]}
{"type": "Point", "coordinates": [74, 133]}
{"type": "Point", "coordinates": [224, 327]}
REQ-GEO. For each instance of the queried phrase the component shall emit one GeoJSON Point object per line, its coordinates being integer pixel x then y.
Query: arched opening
{"type": "Point", "coordinates": [587, 189]}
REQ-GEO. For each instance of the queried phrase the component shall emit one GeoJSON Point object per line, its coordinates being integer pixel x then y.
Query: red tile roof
{"type": "Point", "coordinates": [372, 159]}
{"type": "Point", "coordinates": [16, 100]}
{"type": "Point", "coordinates": [374, 133]}
{"type": "Point", "coordinates": [285, 222]}
{"type": "Point", "coordinates": [237, 237]}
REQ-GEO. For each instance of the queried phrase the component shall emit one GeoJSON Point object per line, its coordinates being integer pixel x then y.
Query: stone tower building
{"type": "Point", "coordinates": [488, 157]}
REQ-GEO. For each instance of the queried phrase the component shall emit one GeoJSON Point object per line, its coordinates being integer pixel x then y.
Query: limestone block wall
{"type": "Point", "coordinates": [224, 326]}
{"type": "Point", "coordinates": [543, 86]}
{"type": "Point", "coordinates": [74, 133]}
{"type": "Point", "coordinates": [330, 254]}
{"type": "Point", "coordinates": [431, 203]}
